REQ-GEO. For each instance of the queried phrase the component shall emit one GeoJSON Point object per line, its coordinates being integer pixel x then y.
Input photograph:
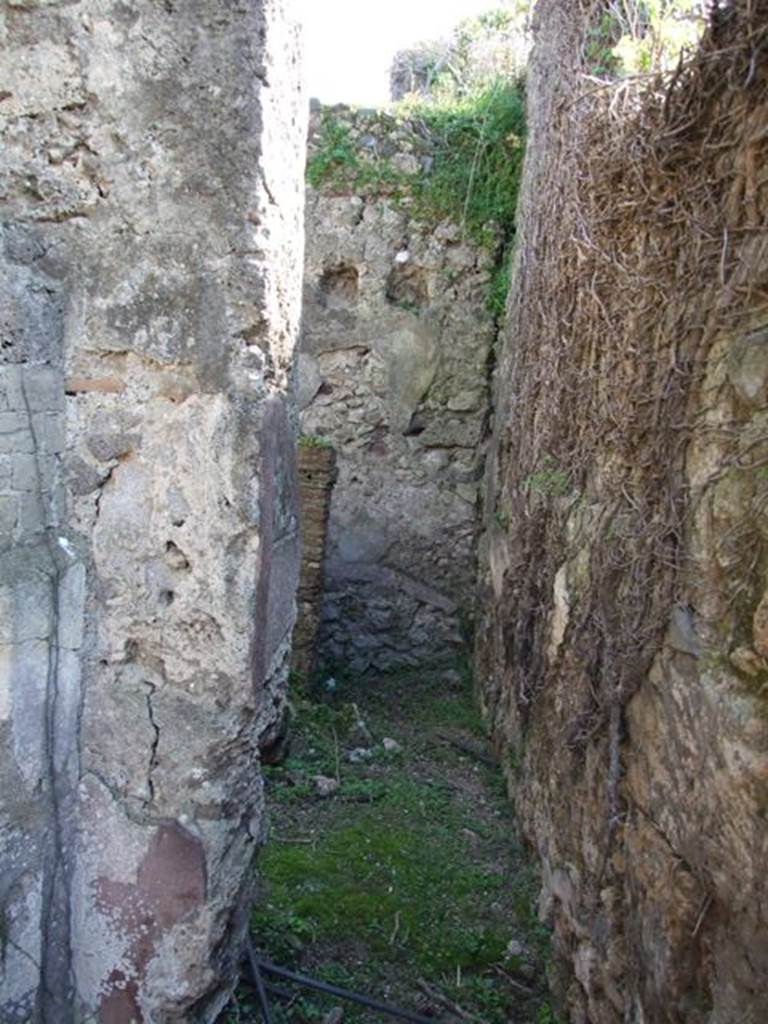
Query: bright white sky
{"type": "Point", "coordinates": [349, 44]}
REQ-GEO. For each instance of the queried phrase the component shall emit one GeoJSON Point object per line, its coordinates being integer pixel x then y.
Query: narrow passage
{"type": "Point", "coordinates": [394, 868]}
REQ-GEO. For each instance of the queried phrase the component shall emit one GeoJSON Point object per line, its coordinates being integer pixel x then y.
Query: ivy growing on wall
{"type": "Point", "coordinates": [478, 146]}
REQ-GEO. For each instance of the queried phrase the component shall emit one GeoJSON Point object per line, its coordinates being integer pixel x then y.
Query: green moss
{"type": "Point", "coordinates": [496, 302]}
{"type": "Point", "coordinates": [338, 163]}
{"type": "Point", "coordinates": [548, 480]}
{"type": "Point", "coordinates": [313, 441]}
{"type": "Point", "coordinates": [335, 152]}
{"type": "Point", "coordinates": [384, 878]}
{"type": "Point", "coordinates": [478, 146]}
{"type": "Point", "coordinates": [546, 1015]}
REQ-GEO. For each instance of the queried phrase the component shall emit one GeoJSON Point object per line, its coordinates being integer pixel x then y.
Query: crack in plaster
{"type": "Point", "coordinates": [141, 818]}
{"type": "Point", "coordinates": [153, 760]}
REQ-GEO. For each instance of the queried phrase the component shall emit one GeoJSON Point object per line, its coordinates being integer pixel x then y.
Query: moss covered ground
{"type": "Point", "coordinates": [409, 882]}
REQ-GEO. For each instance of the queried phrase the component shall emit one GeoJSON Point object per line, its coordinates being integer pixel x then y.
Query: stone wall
{"type": "Point", "coordinates": [150, 201]}
{"type": "Point", "coordinates": [393, 360]}
{"type": "Point", "coordinates": [622, 650]}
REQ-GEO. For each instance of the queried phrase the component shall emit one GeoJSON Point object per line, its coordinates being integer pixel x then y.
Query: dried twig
{"type": "Point", "coordinates": [440, 997]}
{"type": "Point", "coordinates": [642, 249]}
{"type": "Point", "coordinates": [465, 747]}
{"type": "Point", "coordinates": [513, 982]}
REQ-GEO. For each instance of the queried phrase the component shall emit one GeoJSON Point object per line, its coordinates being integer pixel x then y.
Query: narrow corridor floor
{"type": "Point", "coordinates": [394, 867]}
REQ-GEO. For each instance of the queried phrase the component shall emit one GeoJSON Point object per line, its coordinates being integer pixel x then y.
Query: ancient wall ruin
{"type": "Point", "coordinates": [396, 339]}
{"type": "Point", "coordinates": [150, 197]}
{"type": "Point", "coordinates": [622, 652]}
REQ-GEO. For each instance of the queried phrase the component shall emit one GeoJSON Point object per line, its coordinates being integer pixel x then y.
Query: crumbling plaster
{"type": "Point", "coordinates": [151, 200]}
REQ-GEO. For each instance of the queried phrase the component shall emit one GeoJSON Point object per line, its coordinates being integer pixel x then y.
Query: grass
{"type": "Point", "coordinates": [479, 143]}
{"type": "Point", "coordinates": [393, 875]}
{"type": "Point", "coordinates": [411, 872]}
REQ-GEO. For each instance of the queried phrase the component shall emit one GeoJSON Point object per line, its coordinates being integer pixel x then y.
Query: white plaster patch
{"type": "Point", "coordinates": [106, 77]}
{"type": "Point", "coordinates": [66, 547]}
{"type": "Point", "coordinates": [560, 612]}
{"type": "Point", "coordinates": [40, 77]}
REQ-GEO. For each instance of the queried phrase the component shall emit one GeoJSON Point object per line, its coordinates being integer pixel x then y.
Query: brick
{"type": "Point", "coordinates": [108, 385]}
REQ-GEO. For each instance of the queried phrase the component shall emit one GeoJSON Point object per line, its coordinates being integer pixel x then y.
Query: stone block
{"type": "Point", "coordinates": [13, 422]}
{"type": "Point", "coordinates": [71, 606]}
{"type": "Point", "coordinates": [747, 367]}
{"type": "Point", "coordinates": [309, 378]}
{"type": "Point", "coordinates": [9, 516]}
{"type": "Point", "coordinates": [11, 392]}
{"type": "Point", "coordinates": [81, 477]}
{"type": "Point", "coordinates": [28, 612]}
{"type": "Point", "coordinates": [43, 76]}
{"type": "Point", "coordinates": [30, 669]}
{"type": "Point", "coordinates": [466, 401]}
{"type": "Point", "coordinates": [32, 324]}
{"type": "Point", "coordinates": [68, 702]}
{"type": "Point", "coordinates": [23, 906]}
{"type": "Point", "coordinates": [108, 445]}
{"type": "Point", "coordinates": [49, 432]}
{"type": "Point", "coordinates": [25, 475]}
{"type": "Point", "coordinates": [21, 442]}
{"type": "Point", "coordinates": [44, 389]}
{"type": "Point", "coordinates": [32, 514]}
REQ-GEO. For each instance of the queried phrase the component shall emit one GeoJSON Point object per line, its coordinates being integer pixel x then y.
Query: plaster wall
{"type": "Point", "coordinates": [151, 204]}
